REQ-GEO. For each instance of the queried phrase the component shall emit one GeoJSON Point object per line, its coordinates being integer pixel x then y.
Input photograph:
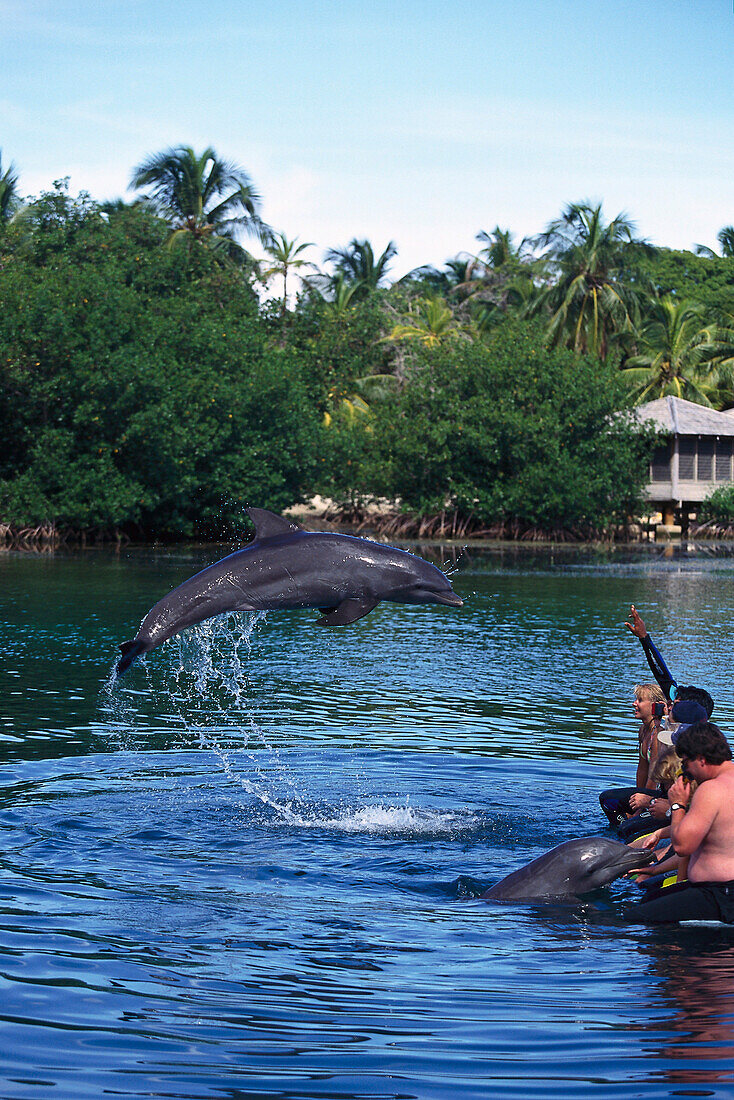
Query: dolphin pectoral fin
{"type": "Point", "coordinates": [348, 611]}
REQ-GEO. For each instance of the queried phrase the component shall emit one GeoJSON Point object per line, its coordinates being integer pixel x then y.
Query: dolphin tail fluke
{"type": "Point", "coordinates": [348, 611]}
{"type": "Point", "coordinates": [129, 651]}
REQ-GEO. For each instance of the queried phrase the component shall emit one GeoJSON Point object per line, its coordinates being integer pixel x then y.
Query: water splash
{"type": "Point", "coordinates": [451, 565]}
{"type": "Point", "coordinates": [382, 820]}
{"type": "Point", "coordinates": [206, 663]}
{"type": "Point", "coordinates": [197, 686]}
{"type": "Point", "coordinates": [259, 789]}
{"type": "Point", "coordinates": [212, 660]}
{"type": "Point", "coordinates": [196, 680]}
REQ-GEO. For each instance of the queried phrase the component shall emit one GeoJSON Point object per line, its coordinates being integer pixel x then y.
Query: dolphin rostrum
{"type": "Point", "coordinates": [288, 567]}
{"type": "Point", "coordinates": [572, 868]}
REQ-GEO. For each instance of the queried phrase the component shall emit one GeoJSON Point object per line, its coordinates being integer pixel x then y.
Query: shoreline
{"type": "Point", "coordinates": [231, 544]}
{"type": "Point", "coordinates": [381, 522]}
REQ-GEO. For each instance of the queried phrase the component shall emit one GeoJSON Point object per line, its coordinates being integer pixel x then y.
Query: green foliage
{"type": "Point", "coordinates": [427, 279]}
{"type": "Point", "coordinates": [725, 237]}
{"type": "Point", "coordinates": [429, 321]}
{"type": "Point", "coordinates": [348, 441]}
{"type": "Point", "coordinates": [284, 256]}
{"type": "Point", "coordinates": [145, 387]}
{"type": "Point", "coordinates": [137, 384]}
{"type": "Point", "coordinates": [337, 347]}
{"type": "Point", "coordinates": [510, 431]}
{"type": "Point", "coordinates": [706, 279]}
{"type": "Point", "coordinates": [10, 201]}
{"type": "Point", "coordinates": [357, 267]}
{"type": "Point", "coordinates": [718, 507]}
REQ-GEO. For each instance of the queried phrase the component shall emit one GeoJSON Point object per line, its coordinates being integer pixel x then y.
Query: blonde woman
{"type": "Point", "coordinates": [619, 803]}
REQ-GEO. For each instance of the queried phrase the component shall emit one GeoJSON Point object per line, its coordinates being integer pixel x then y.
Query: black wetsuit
{"type": "Point", "coordinates": [642, 823]}
{"type": "Point", "coordinates": [687, 901]}
{"type": "Point", "coordinates": [615, 802]}
{"type": "Point", "coordinates": [658, 667]}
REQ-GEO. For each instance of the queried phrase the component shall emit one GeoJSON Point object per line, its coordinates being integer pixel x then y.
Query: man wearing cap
{"type": "Point", "coordinates": [702, 827]}
{"type": "Point", "coordinates": [683, 714]}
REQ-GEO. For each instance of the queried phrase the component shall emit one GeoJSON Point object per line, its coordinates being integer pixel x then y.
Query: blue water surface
{"type": "Point", "coordinates": [252, 867]}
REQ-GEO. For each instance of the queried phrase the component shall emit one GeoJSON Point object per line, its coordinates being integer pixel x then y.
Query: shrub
{"type": "Point", "coordinates": [510, 431]}
{"type": "Point", "coordinates": [137, 386]}
{"type": "Point", "coordinates": [718, 507]}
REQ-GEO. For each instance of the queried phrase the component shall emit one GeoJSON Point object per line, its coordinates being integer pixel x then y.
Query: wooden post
{"type": "Point", "coordinates": [668, 529]}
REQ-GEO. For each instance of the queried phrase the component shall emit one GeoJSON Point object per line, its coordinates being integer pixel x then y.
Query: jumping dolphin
{"type": "Point", "coordinates": [570, 869]}
{"type": "Point", "coordinates": [288, 567]}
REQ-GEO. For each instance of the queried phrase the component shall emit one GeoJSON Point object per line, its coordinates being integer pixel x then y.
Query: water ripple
{"type": "Point", "coordinates": [251, 868]}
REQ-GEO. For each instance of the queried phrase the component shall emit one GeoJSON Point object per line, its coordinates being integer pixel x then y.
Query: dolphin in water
{"type": "Point", "coordinates": [288, 567]}
{"type": "Point", "coordinates": [572, 868]}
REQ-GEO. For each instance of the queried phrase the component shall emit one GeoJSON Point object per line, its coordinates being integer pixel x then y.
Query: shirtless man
{"type": "Point", "coordinates": [702, 827]}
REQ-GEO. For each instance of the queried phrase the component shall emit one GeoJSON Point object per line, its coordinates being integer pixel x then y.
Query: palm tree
{"type": "Point", "coordinates": [10, 201]}
{"type": "Point", "coordinates": [352, 407]}
{"type": "Point", "coordinates": [725, 237]}
{"type": "Point", "coordinates": [674, 353]}
{"type": "Point", "coordinates": [437, 281]}
{"type": "Point", "coordinates": [589, 302]}
{"type": "Point", "coordinates": [455, 269]}
{"type": "Point", "coordinates": [339, 295]}
{"type": "Point", "coordinates": [430, 322]}
{"type": "Point", "coordinates": [357, 265]}
{"type": "Point", "coordinates": [722, 358]}
{"type": "Point", "coordinates": [371, 389]}
{"type": "Point", "coordinates": [500, 277]}
{"type": "Point", "coordinates": [286, 257]}
{"type": "Point", "coordinates": [203, 198]}
{"type": "Point", "coordinates": [500, 250]}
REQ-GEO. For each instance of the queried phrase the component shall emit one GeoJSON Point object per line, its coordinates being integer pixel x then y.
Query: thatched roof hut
{"type": "Point", "coordinates": [695, 457]}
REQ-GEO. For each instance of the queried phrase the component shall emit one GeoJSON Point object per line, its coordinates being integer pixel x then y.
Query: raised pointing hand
{"type": "Point", "coordinates": [636, 626]}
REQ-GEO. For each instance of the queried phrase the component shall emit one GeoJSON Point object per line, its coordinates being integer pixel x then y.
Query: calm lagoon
{"type": "Point", "coordinates": [251, 868]}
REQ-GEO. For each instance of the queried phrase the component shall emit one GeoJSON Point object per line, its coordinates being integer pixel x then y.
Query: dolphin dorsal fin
{"type": "Point", "coordinates": [268, 525]}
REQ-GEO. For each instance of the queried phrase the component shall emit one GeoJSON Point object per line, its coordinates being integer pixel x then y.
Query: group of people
{"type": "Point", "coordinates": [683, 794]}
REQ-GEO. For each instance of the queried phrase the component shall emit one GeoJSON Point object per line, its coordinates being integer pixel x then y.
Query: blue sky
{"type": "Point", "coordinates": [414, 120]}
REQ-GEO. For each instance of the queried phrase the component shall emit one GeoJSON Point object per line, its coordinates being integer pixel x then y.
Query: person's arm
{"type": "Point", "coordinates": [658, 667]}
{"type": "Point", "coordinates": [651, 839]}
{"type": "Point", "coordinates": [691, 822]}
{"type": "Point", "coordinates": [642, 775]}
{"type": "Point", "coordinates": [662, 867]}
{"type": "Point", "coordinates": [659, 807]}
{"type": "Point", "coordinates": [642, 769]}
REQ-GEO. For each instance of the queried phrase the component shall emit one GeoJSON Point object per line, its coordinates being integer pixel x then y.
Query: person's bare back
{"type": "Point", "coordinates": [713, 860]}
